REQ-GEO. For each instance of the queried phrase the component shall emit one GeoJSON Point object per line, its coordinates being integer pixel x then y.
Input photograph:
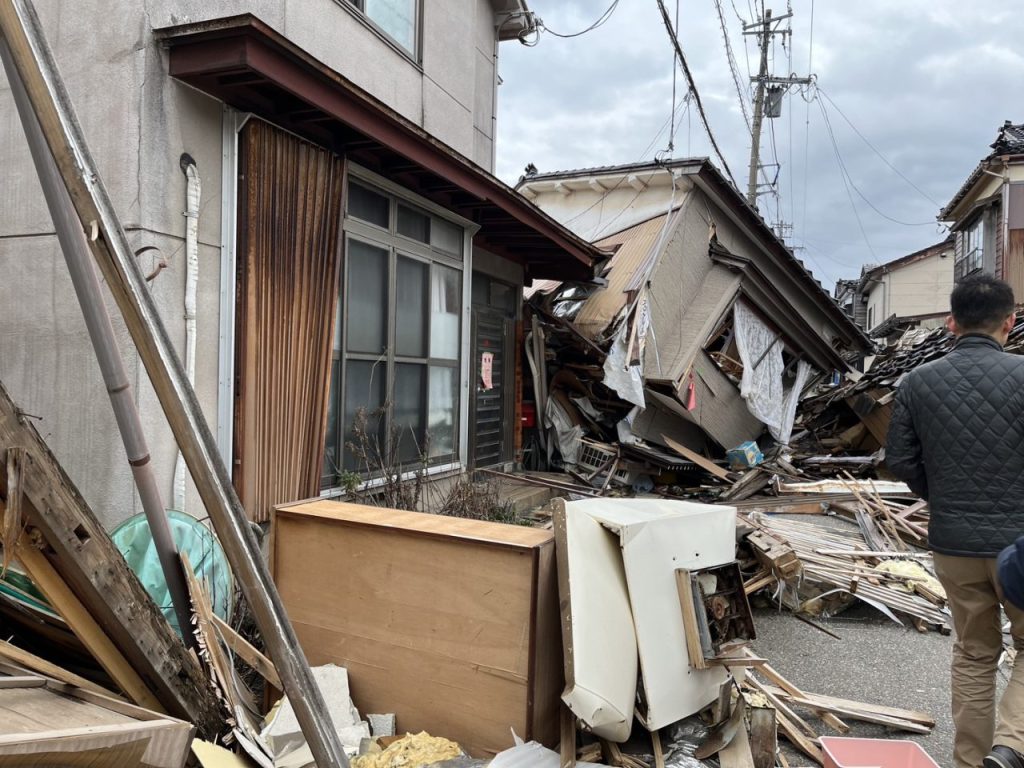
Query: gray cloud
{"type": "Point", "coordinates": [927, 82]}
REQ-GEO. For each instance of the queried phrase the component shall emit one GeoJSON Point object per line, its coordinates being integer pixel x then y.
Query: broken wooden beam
{"type": "Point", "coordinates": [70, 539]}
{"type": "Point", "coordinates": [775, 555]}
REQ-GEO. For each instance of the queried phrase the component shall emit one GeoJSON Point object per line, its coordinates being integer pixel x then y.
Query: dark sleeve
{"type": "Point", "coordinates": [1011, 573]}
{"type": "Point", "coordinates": [903, 446]}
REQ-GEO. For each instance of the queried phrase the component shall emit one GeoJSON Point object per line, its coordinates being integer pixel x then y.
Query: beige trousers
{"type": "Point", "coordinates": [974, 599]}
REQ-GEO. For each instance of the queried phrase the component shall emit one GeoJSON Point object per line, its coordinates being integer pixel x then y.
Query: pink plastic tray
{"type": "Point", "coordinates": [874, 753]}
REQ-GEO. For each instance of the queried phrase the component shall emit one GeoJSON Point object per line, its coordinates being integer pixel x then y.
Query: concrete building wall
{"type": "Point", "coordinates": [138, 122]}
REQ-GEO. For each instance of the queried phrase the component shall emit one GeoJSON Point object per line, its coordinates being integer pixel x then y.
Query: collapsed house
{"type": "Point", "coordinates": [703, 327]}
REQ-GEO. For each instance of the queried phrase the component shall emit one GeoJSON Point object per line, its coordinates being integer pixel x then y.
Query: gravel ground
{"type": "Point", "coordinates": [876, 661]}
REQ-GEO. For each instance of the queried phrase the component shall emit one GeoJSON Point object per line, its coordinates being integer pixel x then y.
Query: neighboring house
{"type": "Point", "coordinates": [697, 283]}
{"type": "Point", "coordinates": [986, 215]}
{"type": "Point", "coordinates": [354, 250]}
{"type": "Point", "coordinates": [847, 295]}
{"type": "Point", "coordinates": [909, 292]}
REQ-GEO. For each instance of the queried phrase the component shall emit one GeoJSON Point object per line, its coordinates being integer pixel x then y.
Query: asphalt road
{"type": "Point", "coordinates": [875, 661]}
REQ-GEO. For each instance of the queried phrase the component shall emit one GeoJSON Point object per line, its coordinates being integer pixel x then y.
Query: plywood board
{"type": "Point", "coordinates": [450, 623]}
{"type": "Point", "coordinates": [59, 724]}
{"type": "Point", "coordinates": [597, 623]}
{"type": "Point", "coordinates": [657, 537]}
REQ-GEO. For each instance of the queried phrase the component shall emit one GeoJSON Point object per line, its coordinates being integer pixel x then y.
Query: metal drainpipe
{"type": "Point", "coordinates": [193, 195]}
{"type": "Point", "coordinates": [101, 333]}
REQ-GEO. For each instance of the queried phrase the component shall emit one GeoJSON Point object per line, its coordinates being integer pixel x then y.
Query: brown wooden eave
{"type": "Point", "coordinates": [251, 67]}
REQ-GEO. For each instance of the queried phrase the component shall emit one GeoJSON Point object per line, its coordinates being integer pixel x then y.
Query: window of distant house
{"type": "Point", "coordinates": [396, 376]}
{"type": "Point", "coordinates": [398, 19]}
{"type": "Point", "coordinates": [972, 249]}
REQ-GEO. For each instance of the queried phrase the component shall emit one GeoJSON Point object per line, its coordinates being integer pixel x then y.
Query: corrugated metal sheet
{"type": "Point", "coordinates": [635, 245]}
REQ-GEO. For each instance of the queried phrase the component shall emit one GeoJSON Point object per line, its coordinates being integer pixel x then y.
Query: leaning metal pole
{"type": "Point", "coordinates": [104, 343]}
{"type": "Point", "coordinates": [109, 245]}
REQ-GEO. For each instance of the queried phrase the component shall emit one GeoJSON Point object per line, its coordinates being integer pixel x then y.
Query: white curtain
{"type": "Point", "coordinates": [762, 387]}
{"type": "Point", "coordinates": [785, 430]}
{"type": "Point", "coordinates": [761, 354]}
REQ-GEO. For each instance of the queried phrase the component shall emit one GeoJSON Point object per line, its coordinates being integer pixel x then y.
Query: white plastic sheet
{"type": "Point", "coordinates": [626, 380]}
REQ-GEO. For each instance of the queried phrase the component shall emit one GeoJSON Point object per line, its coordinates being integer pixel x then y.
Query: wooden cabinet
{"type": "Point", "coordinates": [451, 624]}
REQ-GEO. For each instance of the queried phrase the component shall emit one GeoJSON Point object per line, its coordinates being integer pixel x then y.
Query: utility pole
{"type": "Point", "coordinates": [766, 29]}
{"type": "Point", "coordinates": [765, 35]}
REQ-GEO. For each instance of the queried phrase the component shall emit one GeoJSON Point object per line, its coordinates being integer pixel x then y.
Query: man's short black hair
{"type": "Point", "coordinates": [981, 303]}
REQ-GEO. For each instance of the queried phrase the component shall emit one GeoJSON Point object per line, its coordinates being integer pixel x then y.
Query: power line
{"type": "Point", "coordinates": [849, 194]}
{"type": "Point", "coordinates": [807, 127]}
{"type": "Point", "coordinates": [835, 145]}
{"type": "Point", "coordinates": [733, 66]}
{"type": "Point", "coordinates": [896, 170]}
{"type": "Point", "coordinates": [600, 21]}
{"type": "Point", "coordinates": [693, 88]}
{"type": "Point", "coordinates": [672, 114]}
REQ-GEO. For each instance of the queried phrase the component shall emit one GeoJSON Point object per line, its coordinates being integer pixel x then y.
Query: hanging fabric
{"type": "Point", "coordinates": [760, 351]}
{"type": "Point", "coordinates": [785, 429]}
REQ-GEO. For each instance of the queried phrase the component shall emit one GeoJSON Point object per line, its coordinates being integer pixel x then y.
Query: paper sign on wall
{"type": "Point", "coordinates": [486, 370]}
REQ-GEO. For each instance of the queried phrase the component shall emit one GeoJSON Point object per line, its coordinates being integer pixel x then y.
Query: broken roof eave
{"type": "Point", "coordinates": [758, 289]}
{"type": "Point", "coordinates": [712, 183]}
{"type": "Point", "coordinates": [245, 63]}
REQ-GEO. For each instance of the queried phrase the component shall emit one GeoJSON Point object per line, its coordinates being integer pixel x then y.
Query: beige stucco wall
{"type": "Point", "coordinates": [920, 288]}
{"type": "Point", "coordinates": [137, 122]}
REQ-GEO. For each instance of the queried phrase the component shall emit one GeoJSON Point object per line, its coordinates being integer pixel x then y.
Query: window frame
{"type": "Point", "coordinates": [358, 9]}
{"type": "Point", "coordinates": [970, 261]}
{"type": "Point", "coordinates": [398, 246]}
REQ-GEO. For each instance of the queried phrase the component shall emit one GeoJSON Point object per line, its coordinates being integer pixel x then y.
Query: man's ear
{"type": "Point", "coordinates": [1009, 322]}
{"type": "Point", "coordinates": [951, 325]}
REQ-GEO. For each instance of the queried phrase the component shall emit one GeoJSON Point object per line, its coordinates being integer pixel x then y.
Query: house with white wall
{"type": "Point", "coordinates": [911, 291]}
{"type": "Point", "coordinates": [353, 250]}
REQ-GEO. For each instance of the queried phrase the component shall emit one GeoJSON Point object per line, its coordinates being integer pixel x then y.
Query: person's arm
{"type": "Point", "coordinates": [903, 455]}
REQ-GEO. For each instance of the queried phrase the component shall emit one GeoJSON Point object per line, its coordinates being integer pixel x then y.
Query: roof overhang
{"type": "Point", "coordinates": [952, 211]}
{"type": "Point", "coordinates": [710, 181]}
{"type": "Point", "coordinates": [767, 298]}
{"type": "Point", "coordinates": [250, 66]}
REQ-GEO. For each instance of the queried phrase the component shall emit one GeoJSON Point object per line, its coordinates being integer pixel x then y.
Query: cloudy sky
{"type": "Point", "coordinates": [926, 82]}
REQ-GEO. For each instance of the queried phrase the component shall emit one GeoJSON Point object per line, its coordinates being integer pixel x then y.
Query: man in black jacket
{"type": "Point", "coordinates": [957, 439]}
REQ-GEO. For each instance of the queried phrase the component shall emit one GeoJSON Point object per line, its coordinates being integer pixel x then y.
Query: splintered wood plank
{"type": "Point", "coordinates": [862, 715]}
{"type": "Point", "coordinates": [82, 623]}
{"type": "Point", "coordinates": [737, 754]}
{"type": "Point", "coordinates": [691, 628]}
{"type": "Point", "coordinates": [704, 463]}
{"type": "Point", "coordinates": [567, 740]}
{"type": "Point", "coordinates": [76, 546]}
{"type": "Point", "coordinates": [34, 663]}
{"type": "Point", "coordinates": [764, 742]}
{"type": "Point", "coordinates": [828, 718]}
{"type": "Point", "coordinates": [246, 651]}
{"type": "Point", "coordinates": [901, 719]}
{"type": "Point", "coordinates": [659, 752]}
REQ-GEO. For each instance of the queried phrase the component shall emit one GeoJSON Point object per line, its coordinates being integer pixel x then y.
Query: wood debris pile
{"type": "Point", "coordinates": [822, 563]}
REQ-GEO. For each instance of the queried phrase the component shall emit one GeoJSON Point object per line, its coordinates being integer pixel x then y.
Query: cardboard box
{"type": "Point", "coordinates": [451, 624]}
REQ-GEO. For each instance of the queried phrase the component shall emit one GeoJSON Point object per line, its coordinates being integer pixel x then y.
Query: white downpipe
{"type": "Point", "coordinates": [193, 194]}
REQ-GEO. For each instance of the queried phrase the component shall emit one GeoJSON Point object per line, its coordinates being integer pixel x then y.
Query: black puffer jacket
{"type": "Point", "coordinates": [957, 439]}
